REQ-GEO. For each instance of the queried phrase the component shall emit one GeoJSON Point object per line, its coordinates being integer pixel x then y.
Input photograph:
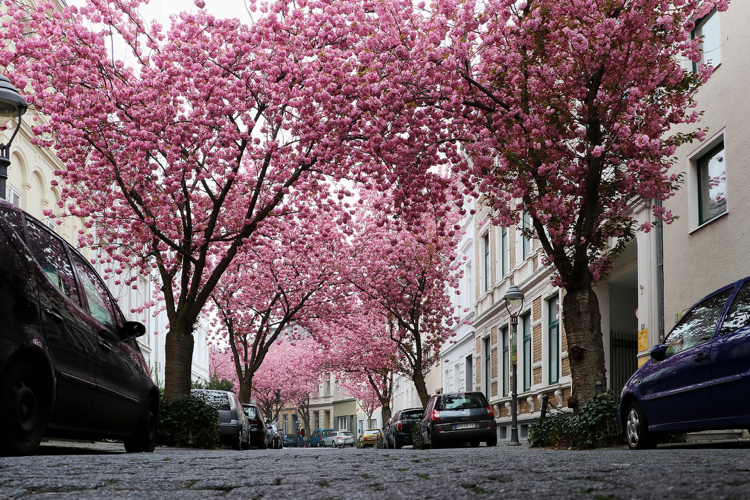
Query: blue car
{"type": "Point", "coordinates": [699, 378]}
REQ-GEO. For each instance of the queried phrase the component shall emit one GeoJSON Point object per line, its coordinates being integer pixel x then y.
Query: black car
{"type": "Point", "coordinates": [70, 366]}
{"type": "Point", "coordinates": [398, 432]}
{"type": "Point", "coordinates": [233, 428]}
{"type": "Point", "coordinates": [257, 426]}
{"type": "Point", "coordinates": [458, 417]}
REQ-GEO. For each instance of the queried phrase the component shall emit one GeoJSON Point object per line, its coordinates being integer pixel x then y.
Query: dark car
{"type": "Point", "coordinates": [233, 426]}
{"type": "Point", "coordinates": [458, 417]}
{"type": "Point", "coordinates": [70, 366]}
{"type": "Point", "coordinates": [274, 439]}
{"type": "Point", "coordinates": [257, 426]}
{"type": "Point", "coordinates": [290, 441]}
{"type": "Point", "coordinates": [698, 379]}
{"type": "Point", "coordinates": [399, 429]}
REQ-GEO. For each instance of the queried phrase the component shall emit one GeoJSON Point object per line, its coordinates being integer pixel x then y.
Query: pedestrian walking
{"type": "Point", "coordinates": [301, 437]}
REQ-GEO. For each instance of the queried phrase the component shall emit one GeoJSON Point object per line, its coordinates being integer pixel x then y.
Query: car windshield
{"type": "Point", "coordinates": [471, 400]}
{"type": "Point", "coordinates": [218, 400]}
{"type": "Point", "coordinates": [371, 433]}
{"type": "Point", "coordinates": [345, 433]}
{"type": "Point", "coordinates": [251, 412]}
{"type": "Point", "coordinates": [415, 415]}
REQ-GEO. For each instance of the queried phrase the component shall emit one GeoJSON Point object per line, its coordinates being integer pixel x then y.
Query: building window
{"type": "Point", "coordinates": [286, 423]}
{"type": "Point", "coordinates": [504, 251]}
{"type": "Point", "coordinates": [13, 195]}
{"type": "Point", "coordinates": [712, 184]}
{"type": "Point", "coordinates": [525, 240]}
{"type": "Point", "coordinates": [487, 367]}
{"type": "Point", "coordinates": [486, 267]}
{"type": "Point", "coordinates": [342, 423]}
{"type": "Point", "coordinates": [327, 388]}
{"type": "Point", "coordinates": [553, 337]}
{"type": "Point", "coordinates": [707, 29]}
{"type": "Point", "coordinates": [526, 319]}
{"type": "Point", "coordinates": [506, 360]}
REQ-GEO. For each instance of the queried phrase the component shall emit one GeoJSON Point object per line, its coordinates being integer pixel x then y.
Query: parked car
{"type": "Point", "coordinates": [70, 366]}
{"type": "Point", "coordinates": [318, 436]}
{"type": "Point", "coordinates": [458, 417]}
{"type": "Point", "coordinates": [339, 439]}
{"type": "Point", "coordinates": [697, 379]}
{"type": "Point", "coordinates": [256, 425]}
{"type": "Point", "coordinates": [401, 425]}
{"type": "Point", "coordinates": [290, 440]}
{"type": "Point", "coordinates": [274, 439]}
{"type": "Point", "coordinates": [233, 426]}
{"type": "Point", "coordinates": [370, 437]}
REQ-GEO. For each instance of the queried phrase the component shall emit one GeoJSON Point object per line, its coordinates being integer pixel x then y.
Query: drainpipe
{"type": "Point", "coordinates": [660, 273]}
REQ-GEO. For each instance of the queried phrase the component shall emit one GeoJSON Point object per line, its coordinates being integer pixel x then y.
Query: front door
{"type": "Point", "coordinates": [678, 389]}
{"type": "Point", "coordinates": [116, 405]}
{"type": "Point", "coordinates": [731, 372]}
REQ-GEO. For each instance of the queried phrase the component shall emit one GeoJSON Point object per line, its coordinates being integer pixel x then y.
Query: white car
{"type": "Point", "coordinates": [339, 439]}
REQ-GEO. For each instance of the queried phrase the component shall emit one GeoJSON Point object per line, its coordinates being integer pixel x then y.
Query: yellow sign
{"type": "Point", "coordinates": [642, 361]}
{"type": "Point", "coordinates": [643, 340]}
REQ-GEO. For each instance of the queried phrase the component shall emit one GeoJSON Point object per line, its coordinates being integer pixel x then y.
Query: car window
{"type": "Point", "coordinates": [416, 414]}
{"type": "Point", "coordinates": [698, 325]}
{"type": "Point", "coordinates": [50, 253]}
{"type": "Point", "coordinates": [217, 400]}
{"type": "Point", "coordinates": [100, 305]}
{"type": "Point", "coordinates": [251, 412]}
{"type": "Point", "coordinates": [739, 312]}
{"type": "Point", "coordinates": [450, 402]}
{"type": "Point", "coordinates": [345, 433]}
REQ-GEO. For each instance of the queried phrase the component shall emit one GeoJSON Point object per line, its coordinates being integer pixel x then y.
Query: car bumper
{"type": "Point", "coordinates": [229, 431]}
{"type": "Point", "coordinates": [450, 432]}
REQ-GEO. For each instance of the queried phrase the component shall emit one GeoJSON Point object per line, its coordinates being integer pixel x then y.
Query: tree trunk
{"type": "Point", "coordinates": [419, 383]}
{"type": "Point", "coordinates": [246, 388]}
{"type": "Point", "coordinates": [386, 413]}
{"type": "Point", "coordinates": [583, 331]}
{"type": "Point", "coordinates": [178, 362]}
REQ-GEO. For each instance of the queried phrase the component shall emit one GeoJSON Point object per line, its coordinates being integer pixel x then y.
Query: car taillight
{"type": "Point", "coordinates": [435, 415]}
{"type": "Point", "coordinates": [489, 411]}
{"type": "Point", "coordinates": [398, 426]}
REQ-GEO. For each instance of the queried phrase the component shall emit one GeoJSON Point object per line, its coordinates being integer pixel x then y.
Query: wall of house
{"type": "Point", "coordinates": [702, 258]}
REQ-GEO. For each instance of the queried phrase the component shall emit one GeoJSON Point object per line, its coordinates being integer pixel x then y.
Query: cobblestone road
{"type": "Point", "coordinates": [103, 471]}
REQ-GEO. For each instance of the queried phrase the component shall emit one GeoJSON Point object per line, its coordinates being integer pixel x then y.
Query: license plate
{"type": "Point", "coordinates": [466, 426]}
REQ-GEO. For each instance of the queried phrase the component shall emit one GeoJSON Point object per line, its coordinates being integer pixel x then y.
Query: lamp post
{"type": "Point", "coordinates": [514, 304]}
{"type": "Point", "coordinates": [278, 402]}
{"type": "Point", "coordinates": [12, 105]}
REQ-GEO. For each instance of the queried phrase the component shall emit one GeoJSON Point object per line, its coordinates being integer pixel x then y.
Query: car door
{"type": "Point", "coordinates": [72, 344]}
{"type": "Point", "coordinates": [730, 366]}
{"type": "Point", "coordinates": [117, 402]}
{"type": "Point", "coordinates": [678, 389]}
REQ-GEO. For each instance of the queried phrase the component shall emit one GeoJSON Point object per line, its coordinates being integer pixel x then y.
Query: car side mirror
{"type": "Point", "coordinates": [132, 330]}
{"type": "Point", "coordinates": [659, 352]}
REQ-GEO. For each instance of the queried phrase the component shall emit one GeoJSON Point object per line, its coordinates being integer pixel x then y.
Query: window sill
{"type": "Point", "coordinates": [708, 222]}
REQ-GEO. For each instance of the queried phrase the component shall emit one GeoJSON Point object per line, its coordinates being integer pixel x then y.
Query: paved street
{"type": "Point", "coordinates": [103, 471]}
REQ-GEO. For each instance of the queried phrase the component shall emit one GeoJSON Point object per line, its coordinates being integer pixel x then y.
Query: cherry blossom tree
{"type": "Point", "coordinates": [278, 287]}
{"type": "Point", "coordinates": [566, 109]}
{"type": "Point", "coordinates": [179, 153]}
{"type": "Point", "coordinates": [406, 276]}
{"type": "Point", "coordinates": [293, 368]}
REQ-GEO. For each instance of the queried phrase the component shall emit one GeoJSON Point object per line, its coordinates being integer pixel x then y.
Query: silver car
{"type": "Point", "coordinates": [339, 439]}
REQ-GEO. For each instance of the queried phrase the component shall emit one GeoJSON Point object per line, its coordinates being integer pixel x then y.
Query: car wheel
{"type": "Point", "coordinates": [397, 445]}
{"type": "Point", "coordinates": [24, 408]}
{"type": "Point", "coordinates": [492, 441]}
{"type": "Point", "coordinates": [237, 445]}
{"type": "Point", "coordinates": [144, 437]}
{"type": "Point", "coordinates": [636, 429]}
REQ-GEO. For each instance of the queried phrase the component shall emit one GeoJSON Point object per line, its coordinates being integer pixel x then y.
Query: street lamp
{"type": "Point", "coordinates": [278, 401]}
{"type": "Point", "coordinates": [514, 305]}
{"type": "Point", "coordinates": [12, 105]}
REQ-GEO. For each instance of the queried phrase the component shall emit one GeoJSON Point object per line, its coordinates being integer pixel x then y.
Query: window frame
{"type": "Point", "coordinates": [702, 164]}
{"type": "Point", "coordinates": [699, 25]}
{"type": "Point", "coordinates": [553, 348]}
{"type": "Point", "coordinates": [528, 347]}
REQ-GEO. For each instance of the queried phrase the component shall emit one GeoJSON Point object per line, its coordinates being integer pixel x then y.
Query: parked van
{"type": "Point", "coordinates": [317, 437]}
